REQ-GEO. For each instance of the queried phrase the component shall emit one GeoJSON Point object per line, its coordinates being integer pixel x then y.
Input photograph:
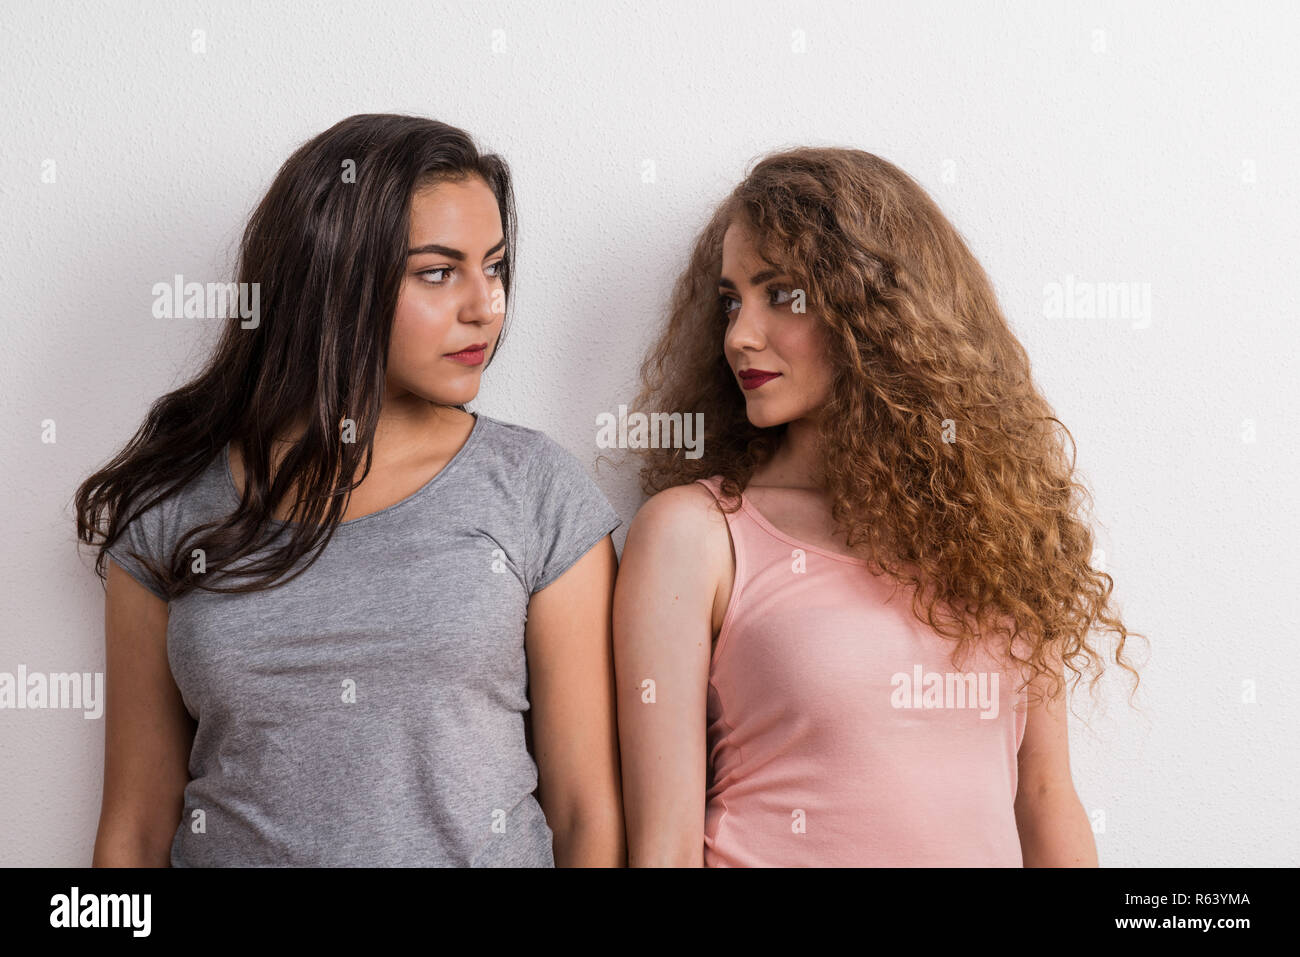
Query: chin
{"type": "Point", "coordinates": [769, 415]}
{"type": "Point", "coordinates": [764, 418]}
{"type": "Point", "coordinates": [448, 395]}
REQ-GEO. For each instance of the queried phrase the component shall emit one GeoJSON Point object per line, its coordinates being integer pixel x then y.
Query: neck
{"type": "Point", "coordinates": [406, 423]}
{"type": "Point", "coordinates": [797, 462]}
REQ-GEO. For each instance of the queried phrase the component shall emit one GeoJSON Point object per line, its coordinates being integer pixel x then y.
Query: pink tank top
{"type": "Point", "coordinates": [839, 733]}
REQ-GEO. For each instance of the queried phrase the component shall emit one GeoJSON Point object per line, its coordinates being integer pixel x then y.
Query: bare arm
{"type": "Point", "coordinates": [1054, 829]}
{"type": "Point", "coordinates": [663, 606]}
{"type": "Point", "coordinates": [147, 731]}
{"type": "Point", "coordinates": [574, 736]}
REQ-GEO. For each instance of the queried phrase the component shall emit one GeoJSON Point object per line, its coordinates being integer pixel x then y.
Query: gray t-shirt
{"type": "Point", "coordinates": [370, 712]}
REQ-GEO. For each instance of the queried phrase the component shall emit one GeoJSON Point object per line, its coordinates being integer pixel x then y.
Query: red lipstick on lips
{"type": "Point", "coordinates": [753, 378]}
{"type": "Point", "coordinates": [468, 357]}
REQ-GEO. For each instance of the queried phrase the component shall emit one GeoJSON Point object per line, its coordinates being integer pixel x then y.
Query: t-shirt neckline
{"type": "Point", "coordinates": [470, 440]}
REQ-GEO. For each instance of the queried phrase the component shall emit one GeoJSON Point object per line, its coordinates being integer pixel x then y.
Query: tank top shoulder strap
{"type": "Point", "coordinates": [756, 543]}
{"type": "Point", "coordinates": [714, 484]}
{"type": "Point", "coordinates": [748, 537]}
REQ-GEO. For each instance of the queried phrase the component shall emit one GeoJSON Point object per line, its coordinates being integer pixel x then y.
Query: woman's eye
{"type": "Point", "coordinates": [775, 296]}
{"type": "Point", "coordinates": [431, 276]}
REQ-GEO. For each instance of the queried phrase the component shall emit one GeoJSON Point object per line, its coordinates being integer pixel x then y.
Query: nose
{"type": "Point", "coordinates": [485, 300]}
{"type": "Point", "coordinates": [746, 331]}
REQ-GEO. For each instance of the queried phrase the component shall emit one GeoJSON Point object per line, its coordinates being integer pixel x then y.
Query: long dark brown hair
{"type": "Point", "coordinates": [328, 251]}
{"type": "Point", "coordinates": [943, 461]}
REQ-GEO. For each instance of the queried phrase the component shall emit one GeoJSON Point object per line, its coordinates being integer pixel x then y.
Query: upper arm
{"type": "Point", "coordinates": [1054, 828]}
{"type": "Point", "coordinates": [574, 734]}
{"type": "Point", "coordinates": [1044, 757]}
{"type": "Point", "coordinates": [663, 606]}
{"type": "Point", "coordinates": [147, 731]}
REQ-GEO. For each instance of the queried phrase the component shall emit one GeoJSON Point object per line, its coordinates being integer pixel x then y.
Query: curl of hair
{"type": "Point", "coordinates": [989, 531]}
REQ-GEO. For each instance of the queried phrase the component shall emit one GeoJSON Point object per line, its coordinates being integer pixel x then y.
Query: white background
{"type": "Point", "coordinates": [1149, 143]}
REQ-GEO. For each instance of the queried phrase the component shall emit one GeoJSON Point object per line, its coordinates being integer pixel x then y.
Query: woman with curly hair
{"type": "Point", "coordinates": [840, 633]}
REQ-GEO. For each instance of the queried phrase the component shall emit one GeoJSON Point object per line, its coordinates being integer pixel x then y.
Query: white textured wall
{"type": "Point", "coordinates": [1154, 145]}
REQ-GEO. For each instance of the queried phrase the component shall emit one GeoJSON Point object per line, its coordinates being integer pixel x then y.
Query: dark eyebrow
{"type": "Point", "coordinates": [447, 251]}
{"type": "Point", "coordinates": [765, 275]}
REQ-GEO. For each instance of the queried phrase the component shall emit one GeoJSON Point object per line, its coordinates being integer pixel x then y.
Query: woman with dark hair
{"type": "Point", "coordinates": [336, 597]}
{"type": "Point", "coordinates": [839, 633]}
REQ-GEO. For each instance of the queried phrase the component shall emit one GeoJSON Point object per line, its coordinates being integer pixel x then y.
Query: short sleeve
{"type": "Point", "coordinates": [143, 535]}
{"type": "Point", "coordinates": [570, 514]}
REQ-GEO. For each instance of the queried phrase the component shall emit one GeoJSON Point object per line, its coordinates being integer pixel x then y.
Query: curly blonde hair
{"type": "Point", "coordinates": [942, 460]}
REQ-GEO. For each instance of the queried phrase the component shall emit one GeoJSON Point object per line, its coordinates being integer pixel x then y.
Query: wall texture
{"type": "Point", "coordinates": [1149, 144]}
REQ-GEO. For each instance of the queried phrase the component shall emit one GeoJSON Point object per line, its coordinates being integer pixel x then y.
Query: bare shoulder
{"type": "Point", "coordinates": [682, 514]}
{"type": "Point", "coordinates": [682, 527]}
{"type": "Point", "coordinates": [677, 560]}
